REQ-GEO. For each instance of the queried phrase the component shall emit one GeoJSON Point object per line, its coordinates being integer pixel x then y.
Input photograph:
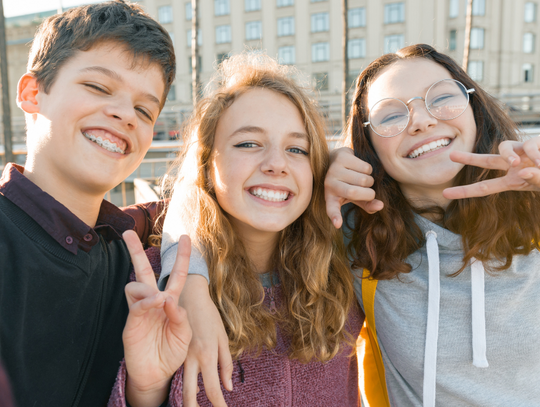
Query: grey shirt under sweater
{"type": "Point", "coordinates": [512, 303]}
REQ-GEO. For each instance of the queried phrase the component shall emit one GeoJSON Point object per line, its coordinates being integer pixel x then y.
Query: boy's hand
{"type": "Point", "coordinates": [209, 345]}
{"type": "Point", "coordinates": [520, 160]}
{"type": "Point", "coordinates": [157, 332]}
{"type": "Point", "coordinates": [348, 180]}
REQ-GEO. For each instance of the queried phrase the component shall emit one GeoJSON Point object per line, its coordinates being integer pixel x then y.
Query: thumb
{"type": "Point", "coordinates": [333, 210]}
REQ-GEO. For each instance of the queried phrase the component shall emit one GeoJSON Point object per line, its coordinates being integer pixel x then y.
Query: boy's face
{"type": "Point", "coordinates": [96, 123]}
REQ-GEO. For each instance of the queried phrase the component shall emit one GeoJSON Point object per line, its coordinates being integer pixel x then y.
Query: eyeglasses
{"type": "Point", "coordinates": [446, 99]}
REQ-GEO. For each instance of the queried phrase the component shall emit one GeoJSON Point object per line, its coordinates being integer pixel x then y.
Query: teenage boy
{"type": "Point", "coordinates": [97, 80]}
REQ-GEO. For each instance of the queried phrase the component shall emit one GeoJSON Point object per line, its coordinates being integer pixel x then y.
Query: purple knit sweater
{"type": "Point", "coordinates": [272, 379]}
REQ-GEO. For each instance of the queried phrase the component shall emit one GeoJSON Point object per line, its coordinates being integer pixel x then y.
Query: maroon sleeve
{"type": "Point", "coordinates": [6, 397]}
{"type": "Point", "coordinates": [148, 218]}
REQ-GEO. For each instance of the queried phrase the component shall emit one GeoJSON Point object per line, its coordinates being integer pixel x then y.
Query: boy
{"type": "Point", "coordinates": [97, 80]}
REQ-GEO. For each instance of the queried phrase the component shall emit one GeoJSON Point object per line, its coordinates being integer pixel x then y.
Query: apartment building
{"type": "Point", "coordinates": [504, 56]}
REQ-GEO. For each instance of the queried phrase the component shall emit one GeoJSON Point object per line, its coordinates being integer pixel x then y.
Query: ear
{"type": "Point", "coordinates": [27, 91]}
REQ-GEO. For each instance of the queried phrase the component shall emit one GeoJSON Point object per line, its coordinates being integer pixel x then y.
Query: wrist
{"type": "Point", "coordinates": [146, 396]}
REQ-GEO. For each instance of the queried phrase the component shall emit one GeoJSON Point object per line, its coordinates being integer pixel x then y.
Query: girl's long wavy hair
{"type": "Point", "coordinates": [309, 256]}
{"type": "Point", "coordinates": [496, 227]}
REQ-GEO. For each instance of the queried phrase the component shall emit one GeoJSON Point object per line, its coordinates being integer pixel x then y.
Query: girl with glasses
{"type": "Point", "coordinates": [446, 243]}
{"type": "Point", "coordinates": [249, 191]}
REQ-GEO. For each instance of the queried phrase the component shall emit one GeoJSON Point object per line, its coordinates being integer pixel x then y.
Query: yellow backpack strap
{"type": "Point", "coordinates": [371, 369]}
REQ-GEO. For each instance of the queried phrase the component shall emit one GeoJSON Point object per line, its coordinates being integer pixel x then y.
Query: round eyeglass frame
{"type": "Point", "coordinates": [467, 92]}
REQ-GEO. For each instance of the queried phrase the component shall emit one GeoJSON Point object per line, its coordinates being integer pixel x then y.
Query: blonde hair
{"type": "Point", "coordinates": [309, 257]}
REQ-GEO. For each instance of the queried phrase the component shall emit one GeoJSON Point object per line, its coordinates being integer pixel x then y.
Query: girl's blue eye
{"type": "Point", "coordinates": [297, 150]}
{"type": "Point", "coordinates": [246, 144]}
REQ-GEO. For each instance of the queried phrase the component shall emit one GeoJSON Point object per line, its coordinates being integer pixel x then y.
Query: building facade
{"type": "Point", "coordinates": [504, 56]}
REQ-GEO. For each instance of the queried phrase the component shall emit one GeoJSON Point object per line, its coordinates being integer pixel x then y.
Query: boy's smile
{"type": "Point", "coordinates": [94, 126]}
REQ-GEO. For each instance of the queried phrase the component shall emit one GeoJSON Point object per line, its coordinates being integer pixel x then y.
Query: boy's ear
{"type": "Point", "coordinates": [27, 91]}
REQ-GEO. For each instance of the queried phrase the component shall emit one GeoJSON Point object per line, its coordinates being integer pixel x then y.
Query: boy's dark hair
{"type": "Point", "coordinates": [59, 37]}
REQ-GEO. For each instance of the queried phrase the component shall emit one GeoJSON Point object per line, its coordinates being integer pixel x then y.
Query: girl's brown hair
{"type": "Point", "coordinates": [494, 227]}
{"type": "Point", "coordinates": [309, 257]}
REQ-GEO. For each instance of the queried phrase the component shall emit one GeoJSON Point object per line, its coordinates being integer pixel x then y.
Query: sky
{"type": "Point", "coordinates": [19, 7]}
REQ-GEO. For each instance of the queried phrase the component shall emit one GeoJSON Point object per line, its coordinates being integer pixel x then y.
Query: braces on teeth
{"type": "Point", "coordinates": [273, 196]}
{"type": "Point", "coordinates": [106, 144]}
{"type": "Point", "coordinates": [429, 147]}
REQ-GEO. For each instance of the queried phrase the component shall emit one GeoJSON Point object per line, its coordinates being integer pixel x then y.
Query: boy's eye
{"type": "Point", "coordinates": [297, 150]}
{"type": "Point", "coordinates": [246, 144]}
{"type": "Point", "coordinates": [96, 87]}
{"type": "Point", "coordinates": [144, 113]}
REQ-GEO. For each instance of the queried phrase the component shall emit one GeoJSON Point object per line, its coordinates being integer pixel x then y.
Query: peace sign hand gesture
{"type": "Point", "coordinates": [520, 160]}
{"type": "Point", "coordinates": [157, 332]}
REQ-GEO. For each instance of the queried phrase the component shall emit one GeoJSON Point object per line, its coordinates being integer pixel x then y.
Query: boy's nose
{"type": "Point", "coordinates": [122, 111]}
{"type": "Point", "coordinates": [420, 119]}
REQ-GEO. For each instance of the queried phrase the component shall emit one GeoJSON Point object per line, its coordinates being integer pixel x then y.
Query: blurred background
{"type": "Point", "coordinates": [330, 41]}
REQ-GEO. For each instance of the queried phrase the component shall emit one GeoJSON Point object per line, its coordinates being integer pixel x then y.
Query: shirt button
{"type": "Point", "coordinates": [69, 240]}
{"type": "Point", "coordinates": [87, 237]}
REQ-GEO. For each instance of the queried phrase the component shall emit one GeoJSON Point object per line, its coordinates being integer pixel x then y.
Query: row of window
{"type": "Point", "coordinates": [393, 12]}
{"type": "Point", "coordinates": [475, 70]}
{"type": "Point", "coordinates": [477, 40]}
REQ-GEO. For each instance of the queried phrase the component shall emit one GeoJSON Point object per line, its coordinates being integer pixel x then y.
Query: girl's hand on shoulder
{"type": "Point", "coordinates": [209, 346]}
{"type": "Point", "coordinates": [157, 332]}
{"type": "Point", "coordinates": [520, 160]}
{"type": "Point", "coordinates": [348, 180]}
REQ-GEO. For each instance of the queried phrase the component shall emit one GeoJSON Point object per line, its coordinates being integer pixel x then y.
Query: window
{"type": "Point", "coordinates": [320, 52]}
{"type": "Point", "coordinates": [254, 30]}
{"type": "Point", "coordinates": [528, 73]}
{"type": "Point", "coordinates": [222, 7]}
{"type": "Point", "coordinates": [222, 57]}
{"type": "Point", "coordinates": [392, 43]}
{"type": "Point", "coordinates": [285, 3]}
{"type": "Point", "coordinates": [199, 37]}
{"type": "Point", "coordinates": [165, 14]}
{"type": "Point", "coordinates": [200, 64]}
{"type": "Point", "coordinates": [528, 43]}
{"type": "Point", "coordinates": [453, 10]}
{"type": "Point", "coordinates": [394, 13]}
{"type": "Point", "coordinates": [356, 17]}
{"type": "Point", "coordinates": [252, 5]}
{"type": "Point", "coordinates": [189, 11]}
{"type": "Point", "coordinates": [320, 22]}
{"type": "Point", "coordinates": [223, 34]}
{"type": "Point", "coordinates": [530, 12]}
{"type": "Point", "coordinates": [285, 26]}
{"type": "Point", "coordinates": [476, 70]}
{"type": "Point", "coordinates": [479, 7]}
{"type": "Point", "coordinates": [477, 38]}
{"type": "Point", "coordinates": [172, 93]}
{"type": "Point", "coordinates": [320, 81]}
{"type": "Point", "coordinates": [356, 48]}
{"type": "Point", "coordinates": [452, 42]}
{"type": "Point", "coordinates": [286, 55]}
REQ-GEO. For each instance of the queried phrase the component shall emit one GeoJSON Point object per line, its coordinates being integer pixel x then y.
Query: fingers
{"type": "Point", "coordinates": [531, 175]}
{"type": "Point", "coordinates": [136, 291]}
{"type": "Point", "coordinates": [333, 210]}
{"type": "Point", "coordinates": [488, 161]}
{"type": "Point", "coordinates": [212, 386]}
{"type": "Point", "coordinates": [143, 269]}
{"type": "Point", "coordinates": [477, 189]}
{"type": "Point", "coordinates": [532, 149]}
{"type": "Point", "coordinates": [180, 269]}
{"type": "Point", "coordinates": [189, 387]}
{"type": "Point", "coordinates": [225, 362]}
{"type": "Point", "coordinates": [509, 151]}
{"type": "Point", "coordinates": [371, 206]}
{"type": "Point", "coordinates": [139, 308]}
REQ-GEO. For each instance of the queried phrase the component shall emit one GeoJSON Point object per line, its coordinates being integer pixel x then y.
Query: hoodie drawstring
{"type": "Point", "coordinates": [432, 330]}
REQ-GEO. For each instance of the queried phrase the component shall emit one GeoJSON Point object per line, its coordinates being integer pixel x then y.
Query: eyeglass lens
{"type": "Point", "coordinates": [445, 100]}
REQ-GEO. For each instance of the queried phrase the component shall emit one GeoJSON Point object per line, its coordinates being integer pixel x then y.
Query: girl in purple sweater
{"type": "Point", "coordinates": [250, 193]}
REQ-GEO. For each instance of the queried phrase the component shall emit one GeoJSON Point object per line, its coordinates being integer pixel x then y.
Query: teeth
{"type": "Point", "coordinates": [106, 144]}
{"type": "Point", "coordinates": [270, 195]}
{"type": "Point", "coordinates": [434, 145]}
